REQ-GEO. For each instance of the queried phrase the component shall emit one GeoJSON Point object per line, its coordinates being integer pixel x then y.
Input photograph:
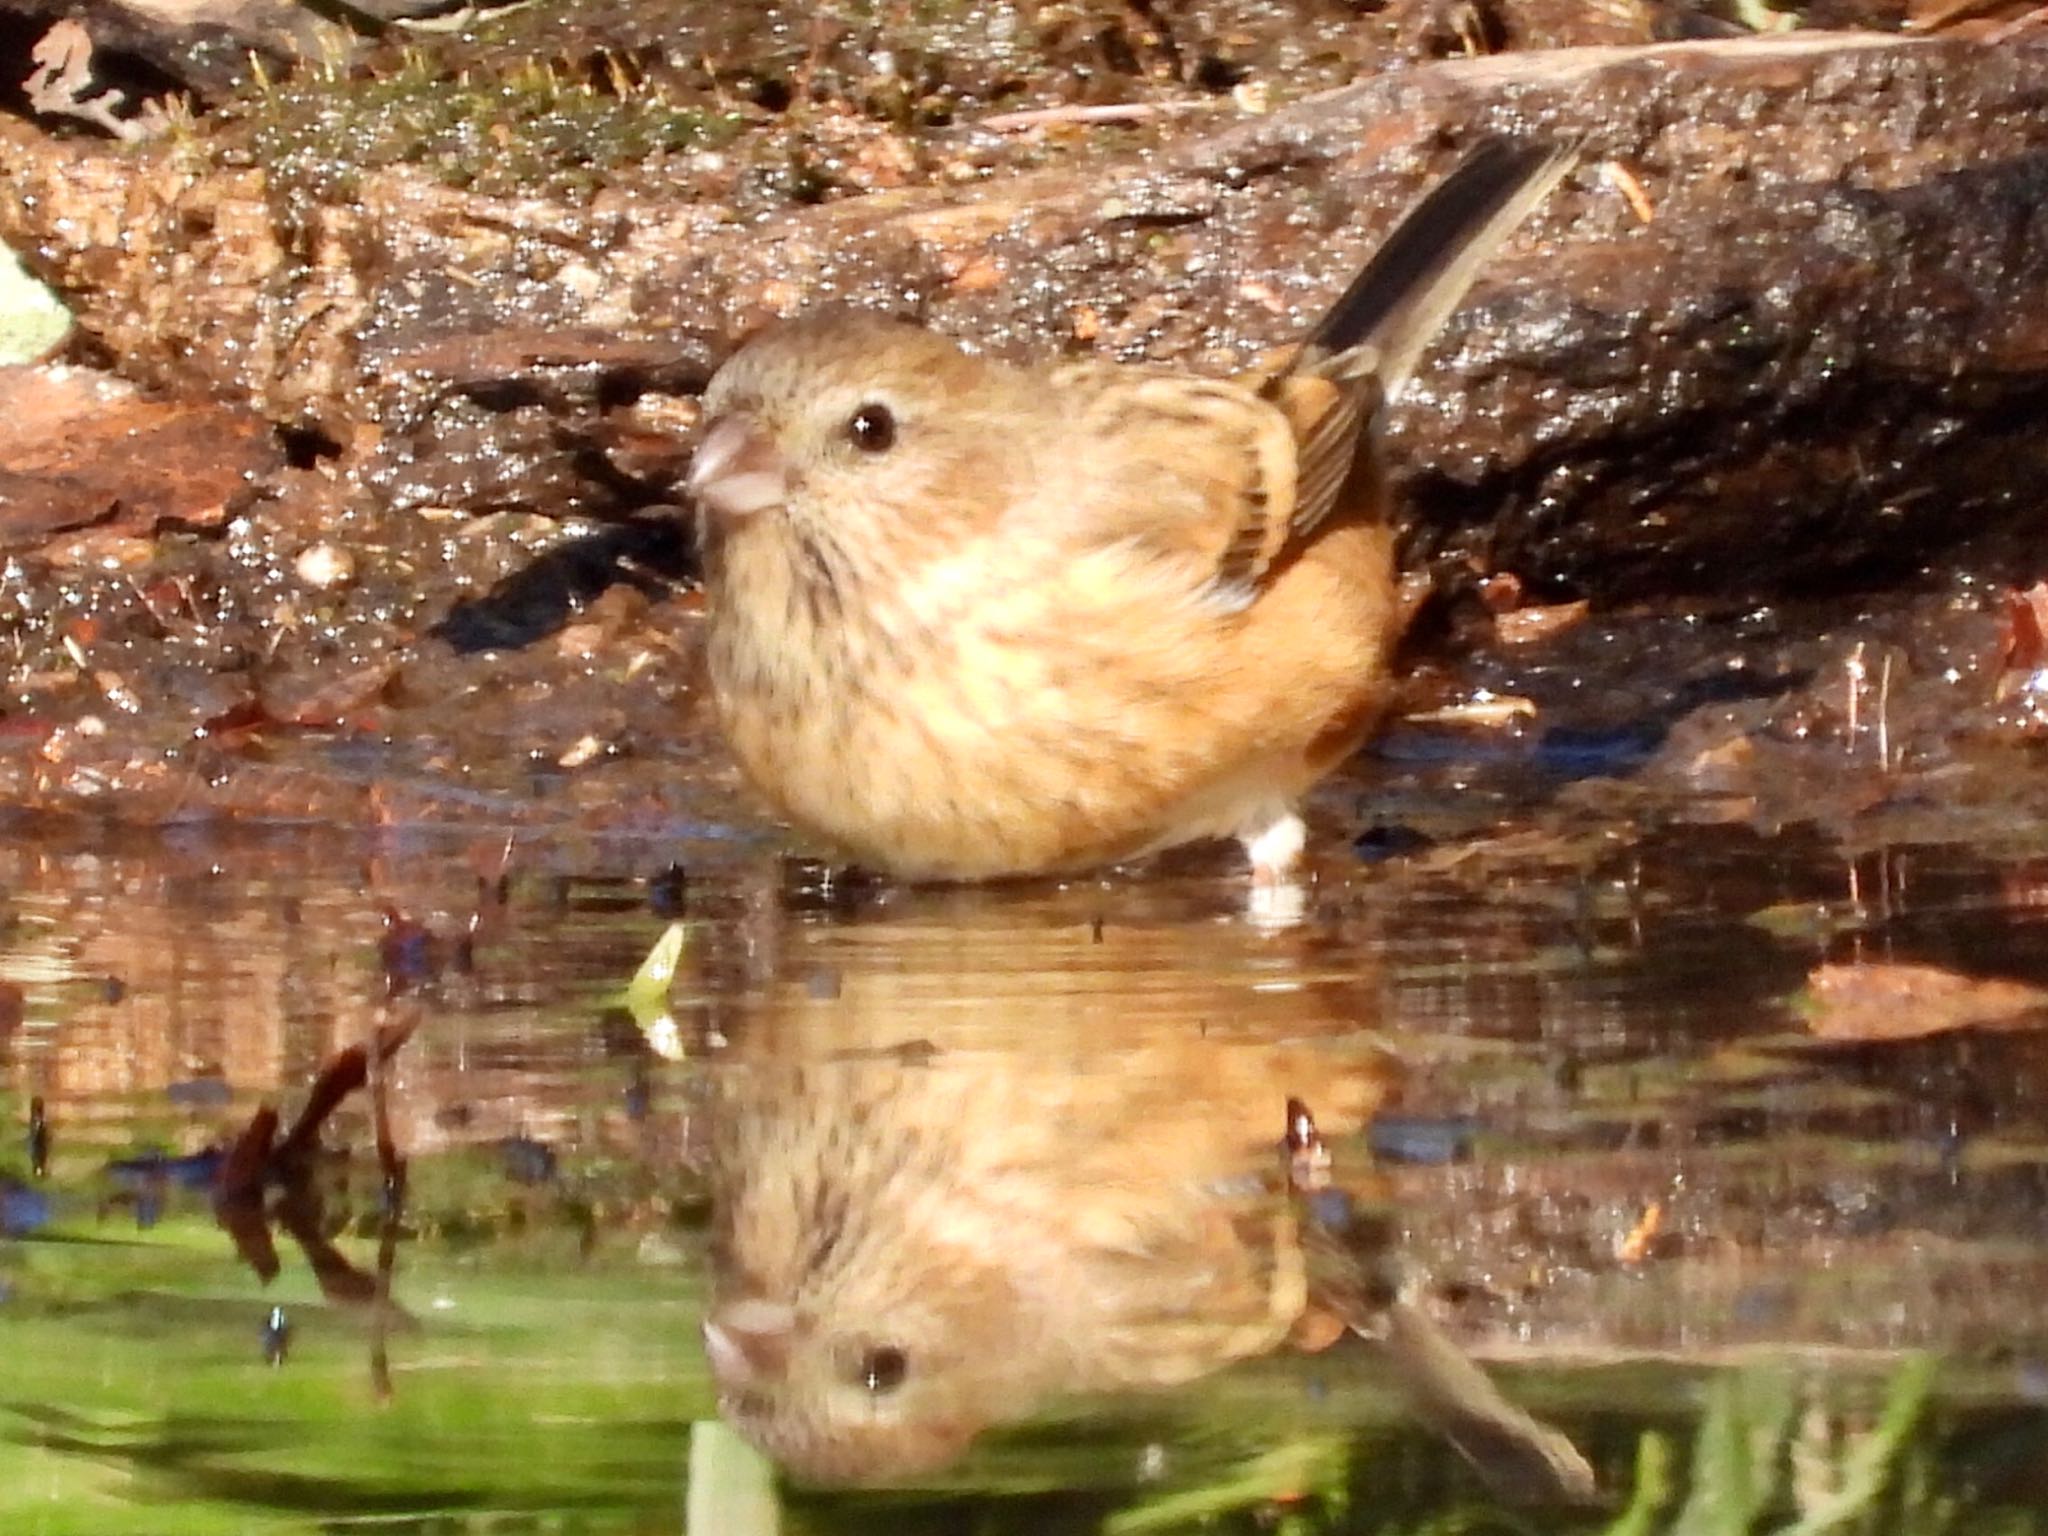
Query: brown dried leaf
{"type": "Point", "coordinates": [334, 700]}
{"type": "Point", "coordinates": [1969, 17]}
{"type": "Point", "coordinates": [1488, 710]}
{"type": "Point", "coordinates": [1525, 626]}
{"type": "Point", "coordinates": [2024, 644]}
{"type": "Point", "coordinates": [1501, 592]}
{"type": "Point", "coordinates": [1316, 1330]}
{"type": "Point", "coordinates": [1910, 1002]}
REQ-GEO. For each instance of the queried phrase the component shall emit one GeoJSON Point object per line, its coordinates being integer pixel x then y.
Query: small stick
{"type": "Point", "coordinates": [1100, 112]}
{"type": "Point", "coordinates": [2016, 26]}
{"type": "Point", "coordinates": [1624, 181]}
{"type": "Point", "coordinates": [1946, 15]}
{"type": "Point", "coordinates": [1855, 673]}
{"type": "Point", "coordinates": [1884, 719]}
{"type": "Point", "coordinates": [391, 1167]}
{"type": "Point", "coordinates": [343, 1075]}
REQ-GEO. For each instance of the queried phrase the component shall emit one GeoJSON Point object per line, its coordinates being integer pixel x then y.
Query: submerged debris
{"type": "Point", "coordinates": [277, 1336]}
{"type": "Point", "coordinates": [38, 1139]}
{"type": "Point", "coordinates": [1893, 1001]}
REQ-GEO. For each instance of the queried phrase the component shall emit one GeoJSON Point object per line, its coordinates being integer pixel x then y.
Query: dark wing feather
{"type": "Point", "coordinates": [1228, 475]}
{"type": "Point", "coordinates": [1330, 420]}
{"type": "Point", "coordinates": [1368, 343]}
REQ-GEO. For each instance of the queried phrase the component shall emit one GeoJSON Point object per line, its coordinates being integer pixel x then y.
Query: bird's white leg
{"type": "Point", "coordinates": [1273, 839]}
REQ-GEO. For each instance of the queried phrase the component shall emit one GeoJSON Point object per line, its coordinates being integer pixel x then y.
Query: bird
{"type": "Point", "coordinates": [972, 620]}
{"type": "Point", "coordinates": [937, 1216]}
{"type": "Point", "coordinates": [934, 1215]}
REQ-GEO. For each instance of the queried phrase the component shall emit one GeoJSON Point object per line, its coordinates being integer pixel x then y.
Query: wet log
{"type": "Point", "coordinates": [1788, 323]}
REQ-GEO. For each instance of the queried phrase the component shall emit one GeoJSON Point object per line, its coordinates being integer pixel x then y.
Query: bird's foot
{"type": "Point", "coordinates": [1274, 844]}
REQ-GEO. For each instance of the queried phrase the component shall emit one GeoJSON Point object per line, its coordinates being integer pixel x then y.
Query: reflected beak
{"type": "Point", "coordinates": [737, 471]}
{"type": "Point", "coordinates": [747, 1340]}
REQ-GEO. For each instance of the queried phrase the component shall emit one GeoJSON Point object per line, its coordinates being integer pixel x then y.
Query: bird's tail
{"type": "Point", "coordinates": [1421, 272]}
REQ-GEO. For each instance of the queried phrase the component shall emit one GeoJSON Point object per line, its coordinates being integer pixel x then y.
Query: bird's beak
{"type": "Point", "coordinates": [737, 471]}
{"type": "Point", "coordinates": [747, 1340]}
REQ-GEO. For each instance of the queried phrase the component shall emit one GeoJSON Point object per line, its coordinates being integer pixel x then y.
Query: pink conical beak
{"type": "Point", "coordinates": [737, 471]}
{"type": "Point", "coordinates": [746, 1340]}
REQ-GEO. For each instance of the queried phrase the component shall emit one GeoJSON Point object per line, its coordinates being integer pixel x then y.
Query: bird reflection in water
{"type": "Point", "coordinates": [935, 1215]}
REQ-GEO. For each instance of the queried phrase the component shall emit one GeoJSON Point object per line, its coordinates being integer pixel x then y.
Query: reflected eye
{"type": "Point", "coordinates": [882, 1370]}
{"type": "Point", "coordinates": [872, 428]}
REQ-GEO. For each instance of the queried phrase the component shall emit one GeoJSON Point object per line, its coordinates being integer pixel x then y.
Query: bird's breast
{"type": "Point", "coordinates": [985, 721]}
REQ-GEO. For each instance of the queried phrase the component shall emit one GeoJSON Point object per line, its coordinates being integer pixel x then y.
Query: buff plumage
{"type": "Point", "coordinates": [970, 620]}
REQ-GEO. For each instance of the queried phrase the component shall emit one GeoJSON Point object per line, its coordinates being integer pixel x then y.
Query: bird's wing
{"type": "Point", "coordinates": [1368, 343]}
{"type": "Point", "coordinates": [1201, 471]}
{"type": "Point", "coordinates": [1230, 475]}
{"type": "Point", "coordinates": [1331, 421]}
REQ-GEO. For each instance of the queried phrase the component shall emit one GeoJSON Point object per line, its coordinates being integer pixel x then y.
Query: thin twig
{"type": "Point", "coordinates": [391, 1167]}
{"type": "Point", "coordinates": [1098, 112]}
{"type": "Point", "coordinates": [1884, 720]}
{"type": "Point", "coordinates": [2019, 24]}
{"type": "Point", "coordinates": [1855, 672]}
{"type": "Point", "coordinates": [1624, 181]}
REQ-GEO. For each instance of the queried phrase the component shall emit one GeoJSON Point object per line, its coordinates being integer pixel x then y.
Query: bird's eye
{"type": "Point", "coordinates": [872, 428]}
{"type": "Point", "coordinates": [882, 1370]}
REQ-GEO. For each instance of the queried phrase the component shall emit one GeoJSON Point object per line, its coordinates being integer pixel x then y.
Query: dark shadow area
{"type": "Point", "coordinates": [653, 553]}
{"type": "Point", "coordinates": [1580, 742]}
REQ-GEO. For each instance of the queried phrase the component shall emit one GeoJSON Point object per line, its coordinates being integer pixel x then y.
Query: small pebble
{"type": "Point", "coordinates": [526, 1161]}
{"type": "Point", "coordinates": [1331, 1209]}
{"type": "Point", "coordinates": [1253, 97]}
{"type": "Point", "coordinates": [1424, 1140]}
{"type": "Point", "coordinates": [22, 1210]}
{"type": "Point", "coordinates": [323, 567]}
{"type": "Point", "coordinates": [2032, 1379]}
{"type": "Point", "coordinates": [668, 892]}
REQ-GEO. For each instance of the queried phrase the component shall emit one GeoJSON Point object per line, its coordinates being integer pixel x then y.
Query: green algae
{"type": "Point", "coordinates": [530, 131]}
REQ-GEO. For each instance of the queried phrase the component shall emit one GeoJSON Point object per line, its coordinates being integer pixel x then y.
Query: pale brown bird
{"type": "Point", "coordinates": [939, 1206]}
{"type": "Point", "coordinates": [940, 1209]}
{"type": "Point", "coordinates": [971, 620]}
{"type": "Point", "coordinates": [908, 1252]}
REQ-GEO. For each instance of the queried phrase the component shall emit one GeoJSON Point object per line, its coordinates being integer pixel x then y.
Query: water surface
{"type": "Point", "coordinates": [1024, 1147]}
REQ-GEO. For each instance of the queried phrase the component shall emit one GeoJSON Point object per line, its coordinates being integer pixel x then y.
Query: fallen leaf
{"type": "Point", "coordinates": [333, 700]}
{"type": "Point", "coordinates": [1538, 621]}
{"type": "Point", "coordinates": [33, 322]}
{"type": "Point", "coordinates": [1488, 710]}
{"type": "Point", "coordinates": [1634, 1246]}
{"type": "Point", "coordinates": [1910, 1002]}
{"type": "Point", "coordinates": [2023, 646]}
